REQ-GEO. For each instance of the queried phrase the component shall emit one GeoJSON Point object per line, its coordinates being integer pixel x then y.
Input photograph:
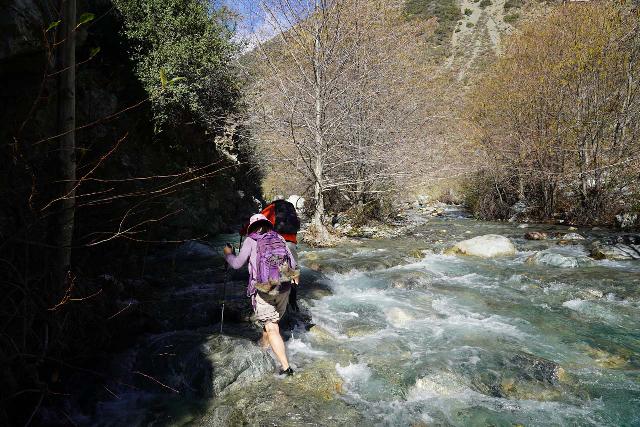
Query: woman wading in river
{"type": "Point", "coordinates": [272, 270]}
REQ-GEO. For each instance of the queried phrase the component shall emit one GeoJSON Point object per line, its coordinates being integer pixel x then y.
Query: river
{"type": "Point", "coordinates": [394, 332]}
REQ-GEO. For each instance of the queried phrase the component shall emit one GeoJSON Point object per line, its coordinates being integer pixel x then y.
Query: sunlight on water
{"type": "Point", "coordinates": [456, 340]}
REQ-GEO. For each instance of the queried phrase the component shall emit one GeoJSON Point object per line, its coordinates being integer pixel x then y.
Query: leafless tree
{"type": "Point", "coordinates": [330, 96]}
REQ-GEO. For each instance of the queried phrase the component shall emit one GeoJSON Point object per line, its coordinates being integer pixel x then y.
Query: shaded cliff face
{"type": "Point", "coordinates": [156, 187]}
{"type": "Point", "coordinates": [112, 101]}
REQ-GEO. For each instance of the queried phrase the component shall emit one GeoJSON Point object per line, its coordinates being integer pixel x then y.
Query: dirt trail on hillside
{"type": "Point", "coordinates": [476, 35]}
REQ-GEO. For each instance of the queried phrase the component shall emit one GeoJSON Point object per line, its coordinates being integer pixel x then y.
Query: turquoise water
{"type": "Point", "coordinates": [454, 340]}
{"type": "Point", "coordinates": [410, 336]}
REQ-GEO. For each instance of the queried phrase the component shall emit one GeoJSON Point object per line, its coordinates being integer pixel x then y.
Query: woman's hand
{"type": "Point", "coordinates": [228, 250]}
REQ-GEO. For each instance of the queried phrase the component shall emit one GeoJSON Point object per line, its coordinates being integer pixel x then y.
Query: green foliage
{"type": "Point", "coordinates": [85, 18]}
{"type": "Point", "coordinates": [511, 18]}
{"type": "Point", "coordinates": [470, 25]}
{"type": "Point", "coordinates": [485, 3]}
{"type": "Point", "coordinates": [181, 50]}
{"type": "Point", "coordinates": [53, 25]}
{"type": "Point", "coordinates": [446, 11]}
{"type": "Point", "coordinates": [510, 4]}
{"type": "Point", "coordinates": [468, 12]}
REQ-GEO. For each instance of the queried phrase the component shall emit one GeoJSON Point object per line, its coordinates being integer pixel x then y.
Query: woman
{"type": "Point", "coordinates": [268, 307]}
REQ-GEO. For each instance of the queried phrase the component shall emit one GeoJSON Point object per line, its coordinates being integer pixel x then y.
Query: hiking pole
{"type": "Point", "coordinates": [224, 287]}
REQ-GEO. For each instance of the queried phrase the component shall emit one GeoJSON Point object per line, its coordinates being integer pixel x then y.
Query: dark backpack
{"type": "Point", "coordinates": [287, 221]}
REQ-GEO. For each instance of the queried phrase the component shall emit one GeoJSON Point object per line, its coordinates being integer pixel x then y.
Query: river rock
{"type": "Point", "coordinates": [627, 220]}
{"type": "Point", "coordinates": [487, 246]}
{"type": "Point", "coordinates": [198, 363]}
{"type": "Point", "coordinates": [554, 259]}
{"type": "Point", "coordinates": [308, 398]}
{"type": "Point", "coordinates": [532, 367]}
{"type": "Point", "coordinates": [321, 335]}
{"type": "Point", "coordinates": [361, 330]}
{"type": "Point", "coordinates": [193, 250]}
{"type": "Point", "coordinates": [573, 236]}
{"type": "Point", "coordinates": [536, 235]}
{"type": "Point", "coordinates": [607, 360]}
{"type": "Point", "coordinates": [412, 280]}
{"type": "Point", "coordinates": [616, 251]}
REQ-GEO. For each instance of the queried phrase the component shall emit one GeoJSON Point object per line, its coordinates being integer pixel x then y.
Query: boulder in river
{"type": "Point", "coordinates": [554, 259]}
{"type": "Point", "coordinates": [487, 246]}
{"type": "Point", "coordinates": [627, 220]}
{"type": "Point", "coordinates": [536, 235]}
{"type": "Point", "coordinates": [615, 251]}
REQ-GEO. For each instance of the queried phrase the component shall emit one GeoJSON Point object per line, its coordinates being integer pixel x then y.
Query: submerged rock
{"type": "Point", "coordinates": [361, 330]}
{"type": "Point", "coordinates": [607, 360]}
{"type": "Point", "coordinates": [616, 251]}
{"type": "Point", "coordinates": [554, 259]}
{"type": "Point", "coordinates": [536, 235]}
{"type": "Point", "coordinates": [321, 335]}
{"type": "Point", "coordinates": [412, 280]}
{"type": "Point", "coordinates": [487, 246]}
{"type": "Point", "coordinates": [523, 376]}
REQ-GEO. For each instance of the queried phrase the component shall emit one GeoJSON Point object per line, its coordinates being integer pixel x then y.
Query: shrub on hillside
{"type": "Point", "coordinates": [560, 115]}
{"type": "Point", "coordinates": [510, 4]}
{"type": "Point", "coordinates": [511, 18]}
{"type": "Point", "coordinates": [446, 11]}
{"type": "Point", "coordinates": [485, 3]}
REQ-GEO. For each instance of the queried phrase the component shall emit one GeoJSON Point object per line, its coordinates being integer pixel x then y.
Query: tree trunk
{"type": "Point", "coordinates": [66, 125]}
{"type": "Point", "coordinates": [318, 214]}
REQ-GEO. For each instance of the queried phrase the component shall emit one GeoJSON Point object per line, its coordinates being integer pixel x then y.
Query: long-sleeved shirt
{"type": "Point", "coordinates": [249, 252]}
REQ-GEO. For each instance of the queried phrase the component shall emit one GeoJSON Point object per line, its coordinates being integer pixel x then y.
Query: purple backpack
{"type": "Point", "coordinates": [273, 264]}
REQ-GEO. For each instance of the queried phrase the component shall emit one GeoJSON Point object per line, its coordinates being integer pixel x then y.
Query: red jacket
{"type": "Point", "coordinates": [270, 213]}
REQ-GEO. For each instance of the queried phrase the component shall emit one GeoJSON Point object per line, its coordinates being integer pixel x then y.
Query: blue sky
{"type": "Point", "coordinates": [256, 25]}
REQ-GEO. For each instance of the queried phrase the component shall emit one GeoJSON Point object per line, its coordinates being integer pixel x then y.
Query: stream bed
{"type": "Point", "coordinates": [395, 332]}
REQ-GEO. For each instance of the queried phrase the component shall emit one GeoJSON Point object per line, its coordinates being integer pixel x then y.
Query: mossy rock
{"type": "Point", "coordinates": [321, 335]}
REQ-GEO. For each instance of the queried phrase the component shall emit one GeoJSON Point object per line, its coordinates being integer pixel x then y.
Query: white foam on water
{"type": "Point", "coordinates": [456, 316]}
{"type": "Point", "coordinates": [398, 317]}
{"type": "Point", "coordinates": [437, 385]}
{"type": "Point", "coordinates": [593, 310]}
{"type": "Point", "coordinates": [355, 375]}
{"type": "Point", "coordinates": [574, 304]}
{"type": "Point", "coordinates": [297, 346]}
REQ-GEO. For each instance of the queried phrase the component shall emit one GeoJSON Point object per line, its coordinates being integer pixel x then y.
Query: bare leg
{"type": "Point", "coordinates": [264, 341]}
{"type": "Point", "coordinates": [277, 344]}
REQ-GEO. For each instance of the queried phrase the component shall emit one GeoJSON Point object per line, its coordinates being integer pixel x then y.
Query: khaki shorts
{"type": "Point", "coordinates": [270, 308]}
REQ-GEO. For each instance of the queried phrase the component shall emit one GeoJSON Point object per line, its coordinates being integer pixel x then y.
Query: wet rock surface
{"type": "Point", "coordinates": [487, 246]}
{"type": "Point", "coordinates": [625, 248]}
{"type": "Point", "coordinates": [554, 259]}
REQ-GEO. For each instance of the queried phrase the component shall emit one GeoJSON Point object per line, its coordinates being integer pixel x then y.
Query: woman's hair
{"type": "Point", "coordinates": [260, 227]}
